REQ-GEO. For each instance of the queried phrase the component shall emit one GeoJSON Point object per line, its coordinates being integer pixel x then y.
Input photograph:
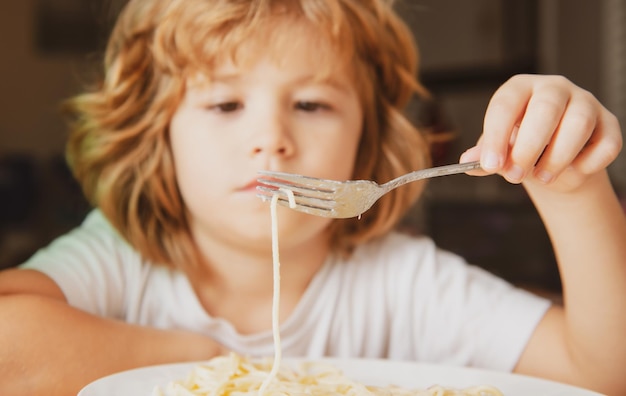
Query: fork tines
{"type": "Point", "coordinates": [296, 182]}
{"type": "Point", "coordinates": [314, 198]}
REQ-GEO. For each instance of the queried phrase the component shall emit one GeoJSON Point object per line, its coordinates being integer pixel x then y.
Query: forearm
{"type": "Point", "coordinates": [588, 232]}
{"type": "Point", "coordinates": [47, 347]}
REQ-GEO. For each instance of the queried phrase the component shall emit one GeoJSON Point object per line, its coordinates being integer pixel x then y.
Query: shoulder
{"type": "Point", "coordinates": [396, 265]}
{"type": "Point", "coordinates": [409, 263]}
{"type": "Point", "coordinates": [396, 251]}
{"type": "Point", "coordinates": [97, 227]}
{"type": "Point", "coordinates": [430, 296]}
{"type": "Point", "coordinates": [394, 244]}
{"type": "Point", "coordinates": [94, 239]}
{"type": "Point", "coordinates": [89, 262]}
{"type": "Point", "coordinates": [400, 265]}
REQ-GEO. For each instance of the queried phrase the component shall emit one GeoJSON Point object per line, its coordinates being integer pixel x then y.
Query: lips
{"type": "Point", "coordinates": [252, 186]}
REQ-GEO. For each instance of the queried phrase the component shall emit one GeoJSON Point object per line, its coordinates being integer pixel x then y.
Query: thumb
{"type": "Point", "coordinates": [472, 154]}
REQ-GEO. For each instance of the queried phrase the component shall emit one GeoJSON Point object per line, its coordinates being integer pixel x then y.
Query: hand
{"type": "Point", "coordinates": [545, 129]}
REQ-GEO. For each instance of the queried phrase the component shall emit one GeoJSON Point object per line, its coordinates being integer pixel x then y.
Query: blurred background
{"type": "Point", "coordinates": [50, 48]}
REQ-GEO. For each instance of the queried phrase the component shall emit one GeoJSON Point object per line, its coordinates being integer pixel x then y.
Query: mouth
{"type": "Point", "coordinates": [264, 191]}
{"type": "Point", "coordinates": [255, 185]}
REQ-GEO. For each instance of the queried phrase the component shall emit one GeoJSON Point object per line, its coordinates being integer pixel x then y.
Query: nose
{"type": "Point", "coordinates": [272, 136]}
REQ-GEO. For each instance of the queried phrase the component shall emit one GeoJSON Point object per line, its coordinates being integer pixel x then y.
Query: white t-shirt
{"type": "Point", "coordinates": [398, 297]}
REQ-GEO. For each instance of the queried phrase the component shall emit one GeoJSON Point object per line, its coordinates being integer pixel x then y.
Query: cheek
{"type": "Point", "coordinates": [338, 156]}
{"type": "Point", "coordinates": [195, 163]}
{"type": "Point", "coordinates": [329, 161]}
{"type": "Point", "coordinates": [187, 176]}
{"type": "Point", "coordinates": [195, 152]}
{"type": "Point", "coordinates": [342, 158]}
{"type": "Point", "coordinates": [196, 173]}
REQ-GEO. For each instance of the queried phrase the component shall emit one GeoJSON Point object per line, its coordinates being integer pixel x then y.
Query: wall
{"type": "Point", "coordinates": [32, 85]}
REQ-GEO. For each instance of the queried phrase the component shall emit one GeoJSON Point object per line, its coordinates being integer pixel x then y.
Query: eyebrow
{"type": "Point", "coordinates": [327, 80]}
{"type": "Point", "coordinates": [335, 83]}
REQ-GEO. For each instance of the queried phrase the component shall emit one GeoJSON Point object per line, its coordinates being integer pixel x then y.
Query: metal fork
{"type": "Point", "coordinates": [341, 199]}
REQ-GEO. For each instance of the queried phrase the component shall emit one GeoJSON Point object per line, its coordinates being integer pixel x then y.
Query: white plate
{"type": "Point", "coordinates": [141, 382]}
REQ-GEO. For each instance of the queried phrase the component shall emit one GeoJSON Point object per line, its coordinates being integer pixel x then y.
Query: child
{"type": "Point", "coordinates": [174, 263]}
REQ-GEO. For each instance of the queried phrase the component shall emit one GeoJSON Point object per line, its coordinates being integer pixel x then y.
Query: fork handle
{"type": "Point", "coordinates": [432, 172]}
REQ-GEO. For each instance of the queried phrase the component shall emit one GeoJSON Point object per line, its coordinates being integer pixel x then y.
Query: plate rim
{"type": "Point", "coordinates": [352, 364]}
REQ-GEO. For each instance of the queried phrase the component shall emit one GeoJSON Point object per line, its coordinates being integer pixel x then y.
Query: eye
{"type": "Point", "coordinates": [226, 107]}
{"type": "Point", "coordinates": [311, 106]}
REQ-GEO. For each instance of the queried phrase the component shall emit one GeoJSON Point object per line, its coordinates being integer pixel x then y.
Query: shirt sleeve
{"type": "Point", "coordinates": [91, 265]}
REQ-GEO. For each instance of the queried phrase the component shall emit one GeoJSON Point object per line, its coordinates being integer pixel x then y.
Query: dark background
{"type": "Point", "coordinates": [50, 47]}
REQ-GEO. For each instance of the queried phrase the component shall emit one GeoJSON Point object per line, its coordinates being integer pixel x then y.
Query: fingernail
{"type": "Point", "coordinates": [544, 176]}
{"type": "Point", "coordinates": [515, 173]}
{"type": "Point", "coordinates": [491, 161]}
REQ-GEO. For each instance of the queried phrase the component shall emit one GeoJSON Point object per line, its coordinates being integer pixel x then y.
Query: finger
{"type": "Point", "coordinates": [512, 139]}
{"type": "Point", "coordinates": [571, 136]}
{"type": "Point", "coordinates": [501, 118]}
{"type": "Point", "coordinates": [472, 154]}
{"type": "Point", "coordinates": [542, 118]}
{"type": "Point", "coordinates": [603, 146]}
{"type": "Point", "coordinates": [514, 133]}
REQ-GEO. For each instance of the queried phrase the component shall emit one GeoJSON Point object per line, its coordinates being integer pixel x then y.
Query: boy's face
{"type": "Point", "coordinates": [264, 116]}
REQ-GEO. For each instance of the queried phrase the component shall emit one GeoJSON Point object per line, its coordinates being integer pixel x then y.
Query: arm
{"type": "Point", "coordinates": [588, 232]}
{"type": "Point", "coordinates": [557, 140]}
{"type": "Point", "coordinates": [48, 347]}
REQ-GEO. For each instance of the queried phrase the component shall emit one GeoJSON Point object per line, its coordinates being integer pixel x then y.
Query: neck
{"type": "Point", "coordinates": [237, 284]}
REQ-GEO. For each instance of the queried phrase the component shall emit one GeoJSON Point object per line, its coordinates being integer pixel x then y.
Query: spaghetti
{"type": "Point", "coordinates": [235, 375]}
{"type": "Point", "coordinates": [276, 297]}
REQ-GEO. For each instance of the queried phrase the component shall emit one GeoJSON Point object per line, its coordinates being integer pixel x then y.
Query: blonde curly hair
{"type": "Point", "coordinates": [119, 147]}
